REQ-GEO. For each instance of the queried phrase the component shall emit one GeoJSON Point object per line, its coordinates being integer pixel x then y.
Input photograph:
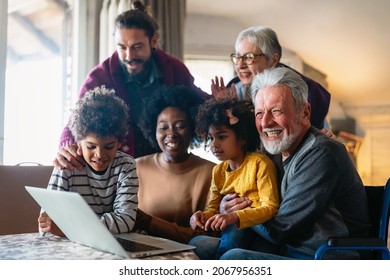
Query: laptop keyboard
{"type": "Point", "coordinates": [133, 246]}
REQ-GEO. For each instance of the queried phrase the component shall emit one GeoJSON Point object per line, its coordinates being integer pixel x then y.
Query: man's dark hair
{"type": "Point", "coordinates": [137, 17]}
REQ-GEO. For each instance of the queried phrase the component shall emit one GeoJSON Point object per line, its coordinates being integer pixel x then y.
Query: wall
{"type": "Point", "coordinates": [203, 36]}
{"type": "Point", "coordinates": [373, 160]}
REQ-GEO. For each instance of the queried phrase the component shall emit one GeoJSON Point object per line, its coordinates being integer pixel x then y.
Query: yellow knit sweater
{"type": "Point", "coordinates": [256, 179]}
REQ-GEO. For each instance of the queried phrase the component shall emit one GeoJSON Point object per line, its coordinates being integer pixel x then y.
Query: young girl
{"type": "Point", "coordinates": [229, 127]}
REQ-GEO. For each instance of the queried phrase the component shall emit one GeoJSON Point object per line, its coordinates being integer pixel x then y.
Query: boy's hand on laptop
{"type": "Point", "coordinates": [44, 222]}
{"type": "Point", "coordinates": [68, 157]}
{"type": "Point", "coordinates": [47, 225]}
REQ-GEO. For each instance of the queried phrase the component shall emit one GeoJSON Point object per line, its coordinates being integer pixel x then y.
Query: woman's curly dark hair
{"type": "Point", "coordinates": [101, 112]}
{"type": "Point", "coordinates": [181, 97]}
{"type": "Point", "coordinates": [235, 114]}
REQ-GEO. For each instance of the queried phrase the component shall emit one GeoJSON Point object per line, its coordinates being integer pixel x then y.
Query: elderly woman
{"type": "Point", "coordinates": [173, 183]}
{"type": "Point", "coordinates": [256, 49]}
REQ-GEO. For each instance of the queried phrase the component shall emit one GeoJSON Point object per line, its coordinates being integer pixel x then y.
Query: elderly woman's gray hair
{"type": "Point", "coordinates": [282, 76]}
{"type": "Point", "coordinates": [264, 38]}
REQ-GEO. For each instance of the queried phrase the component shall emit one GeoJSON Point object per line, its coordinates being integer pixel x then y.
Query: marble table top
{"type": "Point", "coordinates": [31, 246]}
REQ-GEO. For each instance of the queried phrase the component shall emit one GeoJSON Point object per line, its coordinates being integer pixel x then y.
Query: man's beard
{"type": "Point", "coordinates": [147, 65]}
{"type": "Point", "coordinates": [278, 146]}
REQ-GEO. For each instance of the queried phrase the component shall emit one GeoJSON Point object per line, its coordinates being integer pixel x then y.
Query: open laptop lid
{"type": "Point", "coordinates": [81, 225]}
{"type": "Point", "coordinates": [76, 219]}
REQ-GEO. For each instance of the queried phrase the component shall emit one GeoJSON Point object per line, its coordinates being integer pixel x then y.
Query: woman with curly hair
{"type": "Point", "coordinates": [173, 183]}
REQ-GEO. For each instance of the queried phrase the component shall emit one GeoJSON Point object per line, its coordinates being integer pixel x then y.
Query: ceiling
{"type": "Point", "coordinates": [348, 40]}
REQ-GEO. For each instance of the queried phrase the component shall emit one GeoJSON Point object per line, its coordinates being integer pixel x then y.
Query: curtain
{"type": "Point", "coordinates": [169, 14]}
{"type": "Point", "coordinates": [110, 10]}
{"type": "Point", "coordinates": [103, 31]}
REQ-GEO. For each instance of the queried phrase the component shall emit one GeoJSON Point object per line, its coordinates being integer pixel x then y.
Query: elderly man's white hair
{"type": "Point", "coordinates": [281, 76]}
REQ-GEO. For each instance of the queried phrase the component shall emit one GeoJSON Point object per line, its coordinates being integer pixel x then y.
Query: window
{"type": "Point", "coordinates": [203, 70]}
{"type": "Point", "coordinates": [206, 69]}
{"type": "Point", "coordinates": [36, 83]}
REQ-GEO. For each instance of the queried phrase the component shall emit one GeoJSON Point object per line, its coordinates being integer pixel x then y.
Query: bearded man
{"type": "Point", "coordinates": [135, 70]}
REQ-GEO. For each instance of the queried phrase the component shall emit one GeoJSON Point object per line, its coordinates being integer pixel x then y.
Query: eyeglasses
{"type": "Point", "coordinates": [247, 58]}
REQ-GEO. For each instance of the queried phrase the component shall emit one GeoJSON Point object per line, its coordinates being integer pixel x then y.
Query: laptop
{"type": "Point", "coordinates": [81, 225]}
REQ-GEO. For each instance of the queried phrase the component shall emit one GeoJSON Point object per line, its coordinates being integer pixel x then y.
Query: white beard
{"type": "Point", "coordinates": [278, 146]}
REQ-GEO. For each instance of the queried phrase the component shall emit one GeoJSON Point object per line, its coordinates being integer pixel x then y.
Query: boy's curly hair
{"type": "Point", "coordinates": [235, 114]}
{"type": "Point", "coordinates": [181, 97]}
{"type": "Point", "coordinates": [100, 112]}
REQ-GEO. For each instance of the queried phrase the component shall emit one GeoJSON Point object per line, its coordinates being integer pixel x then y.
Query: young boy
{"type": "Point", "coordinates": [108, 182]}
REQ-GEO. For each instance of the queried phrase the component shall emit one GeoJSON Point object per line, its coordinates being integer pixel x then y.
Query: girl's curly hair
{"type": "Point", "coordinates": [181, 97]}
{"type": "Point", "coordinates": [101, 112]}
{"type": "Point", "coordinates": [235, 114]}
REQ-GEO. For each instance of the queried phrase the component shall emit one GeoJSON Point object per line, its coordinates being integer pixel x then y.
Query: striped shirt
{"type": "Point", "coordinates": [113, 196]}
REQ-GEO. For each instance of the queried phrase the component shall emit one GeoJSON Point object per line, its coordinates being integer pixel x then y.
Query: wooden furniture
{"type": "Point", "coordinates": [18, 210]}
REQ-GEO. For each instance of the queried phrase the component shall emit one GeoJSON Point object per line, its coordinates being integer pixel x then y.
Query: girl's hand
{"type": "Point", "coordinates": [220, 221]}
{"type": "Point", "coordinates": [197, 220]}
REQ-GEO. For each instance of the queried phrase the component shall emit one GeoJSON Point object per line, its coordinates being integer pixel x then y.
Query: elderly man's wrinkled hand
{"type": "Point", "coordinates": [233, 202]}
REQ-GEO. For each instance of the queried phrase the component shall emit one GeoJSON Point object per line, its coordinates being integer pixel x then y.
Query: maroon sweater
{"type": "Point", "coordinates": [110, 74]}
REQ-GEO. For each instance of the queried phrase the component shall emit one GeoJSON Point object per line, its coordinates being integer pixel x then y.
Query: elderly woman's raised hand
{"type": "Point", "coordinates": [219, 91]}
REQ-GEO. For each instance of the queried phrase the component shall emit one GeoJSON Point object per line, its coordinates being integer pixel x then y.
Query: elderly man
{"type": "Point", "coordinates": [322, 194]}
